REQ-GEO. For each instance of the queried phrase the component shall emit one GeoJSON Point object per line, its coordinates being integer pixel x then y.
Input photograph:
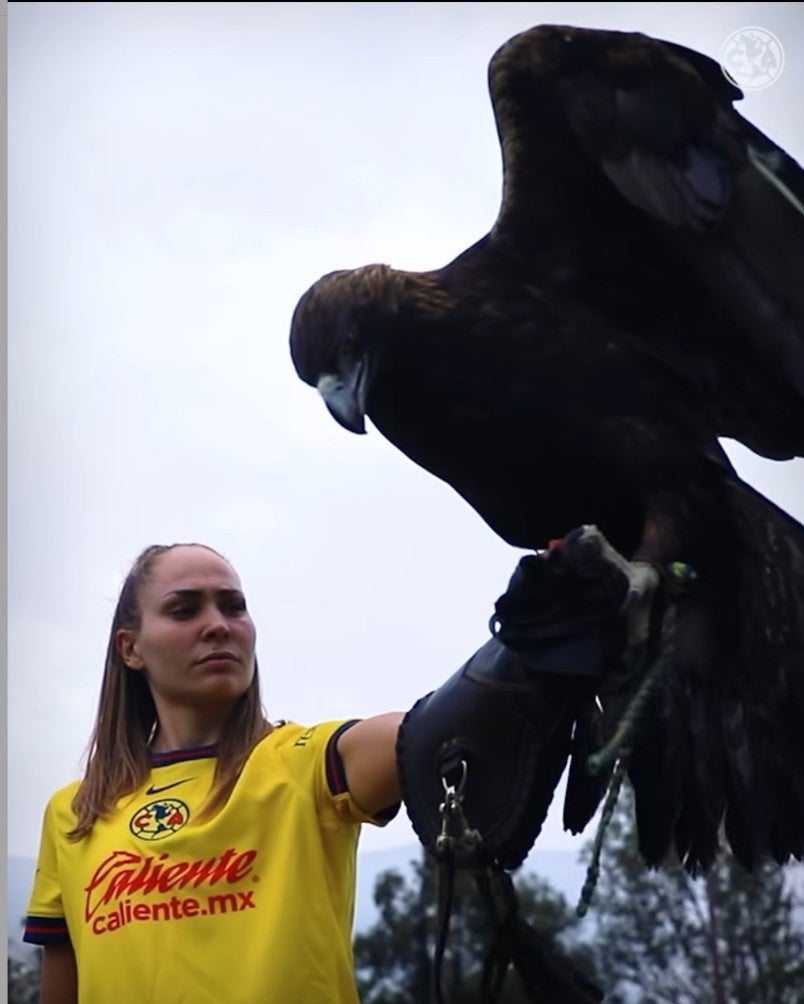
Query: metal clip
{"type": "Point", "coordinates": [453, 818]}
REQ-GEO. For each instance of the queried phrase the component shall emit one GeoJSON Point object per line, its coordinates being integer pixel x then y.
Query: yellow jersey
{"type": "Point", "coordinates": [252, 906]}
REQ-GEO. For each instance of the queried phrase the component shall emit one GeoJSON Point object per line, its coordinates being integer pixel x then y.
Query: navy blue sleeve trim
{"type": "Point", "coordinates": [336, 775]}
{"type": "Point", "coordinates": [45, 930]}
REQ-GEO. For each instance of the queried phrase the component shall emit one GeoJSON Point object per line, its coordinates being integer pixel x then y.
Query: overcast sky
{"type": "Point", "coordinates": [179, 174]}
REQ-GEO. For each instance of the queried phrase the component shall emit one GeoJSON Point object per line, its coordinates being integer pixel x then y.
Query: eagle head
{"type": "Point", "coordinates": [334, 328]}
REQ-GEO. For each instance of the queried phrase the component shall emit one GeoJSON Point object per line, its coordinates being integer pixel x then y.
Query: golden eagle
{"type": "Point", "coordinates": [640, 295]}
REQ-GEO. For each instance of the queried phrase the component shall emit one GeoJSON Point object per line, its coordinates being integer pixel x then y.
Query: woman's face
{"type": "Point", "coordinates": [195, 642]}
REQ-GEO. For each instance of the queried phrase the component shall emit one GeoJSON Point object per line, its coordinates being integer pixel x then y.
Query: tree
{"type": "Point", "coordinates": [663, 937]}
{"type": "Point", "coordinates": [394, 957]}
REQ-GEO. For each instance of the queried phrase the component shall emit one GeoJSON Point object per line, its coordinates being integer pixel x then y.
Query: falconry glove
{"type": "Point", "coordinates": [562, 610]}
{"type": "Point", "coordinates": [502, 726]}
{"type": "Point", "coordinates": [480, 757]}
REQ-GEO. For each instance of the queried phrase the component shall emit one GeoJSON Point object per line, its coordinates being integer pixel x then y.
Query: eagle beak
{"type": "Point", "coordinates": [345, 397]}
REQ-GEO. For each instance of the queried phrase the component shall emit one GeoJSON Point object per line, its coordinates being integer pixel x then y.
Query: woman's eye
{"type": "Point", "coordinates": [181, 613]}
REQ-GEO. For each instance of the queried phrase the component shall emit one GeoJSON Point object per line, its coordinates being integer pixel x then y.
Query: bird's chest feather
{"type": "Point", "coordinates": [507, 376]}
{"type": "Point", "coordinates": [517, 434]}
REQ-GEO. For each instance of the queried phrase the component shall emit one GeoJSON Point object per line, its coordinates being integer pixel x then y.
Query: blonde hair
{"type": "Point", "coordinates": [118, 760]}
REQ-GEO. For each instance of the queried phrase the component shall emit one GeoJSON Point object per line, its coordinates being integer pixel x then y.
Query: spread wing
{"type": "Point", "coordinates": [640, 294]}
{"type": "Point", "coordinates": [662, 202]}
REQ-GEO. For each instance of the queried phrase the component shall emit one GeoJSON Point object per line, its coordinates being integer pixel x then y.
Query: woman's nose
{"type": "Point", "coordinates": [216, 624]}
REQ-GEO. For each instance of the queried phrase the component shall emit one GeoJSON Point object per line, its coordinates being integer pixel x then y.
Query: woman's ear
{"type": "Point", "coordinates": [126, 643]}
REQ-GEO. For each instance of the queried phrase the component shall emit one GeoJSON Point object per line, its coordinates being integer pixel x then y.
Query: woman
{"type": "Point", "coordinates": [207, 855]}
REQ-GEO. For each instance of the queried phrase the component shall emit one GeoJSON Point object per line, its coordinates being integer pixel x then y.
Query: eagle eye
{"type": "Point", "coordinates": [349, 343]}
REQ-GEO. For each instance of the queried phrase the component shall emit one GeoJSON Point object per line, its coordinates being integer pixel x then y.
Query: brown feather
{"type": "Point", "coordinates": [640, 295]}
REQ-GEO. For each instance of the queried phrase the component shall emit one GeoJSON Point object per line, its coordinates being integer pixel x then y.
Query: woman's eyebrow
{"type": "Point", "coordinates": [183, 593]}
{"type": "Point", "coordinates": [190, 594]}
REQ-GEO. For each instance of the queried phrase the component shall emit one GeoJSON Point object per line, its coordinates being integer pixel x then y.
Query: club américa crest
{"type": "Point", "coordinates": [159, 819]}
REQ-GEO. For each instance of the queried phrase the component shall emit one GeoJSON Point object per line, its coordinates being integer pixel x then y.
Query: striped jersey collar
{"type": "Point", "coordinates": [176, 756]}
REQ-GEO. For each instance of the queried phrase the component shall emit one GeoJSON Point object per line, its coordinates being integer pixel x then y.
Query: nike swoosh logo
{"type": "Point", "coordinates": [155, 791]}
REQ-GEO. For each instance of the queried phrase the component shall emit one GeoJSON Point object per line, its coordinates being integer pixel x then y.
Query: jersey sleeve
{"type": "Point", "coordinates": [45, 923]}
{"type": "Point", "coordinates": [315, 760]}
{"type": "Point", "coordinates": [337, 784]}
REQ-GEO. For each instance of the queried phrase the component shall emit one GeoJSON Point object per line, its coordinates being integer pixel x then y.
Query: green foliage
{"type": "Point", "coordinates": [394, 958]}
{"type": "Point", "coordinates": [665, 938]}
{"type": "Point", "coordinates": [659, 936]}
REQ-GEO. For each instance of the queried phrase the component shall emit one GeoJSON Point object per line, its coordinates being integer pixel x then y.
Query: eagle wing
{"type": "Point", "coordinates": [639, 296]}
{"type": "Point", "coordinates": [626, 152]}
